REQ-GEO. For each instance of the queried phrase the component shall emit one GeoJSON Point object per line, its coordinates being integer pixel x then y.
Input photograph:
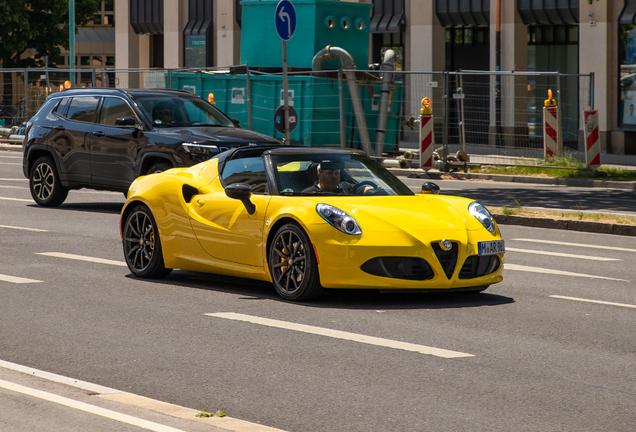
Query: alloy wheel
{"type": "Point", "coordinates": [290, 262]}
{"type": "Point", "coordinates": [139, 240]}
{"type": "Point", "coordinates": [43, 181]}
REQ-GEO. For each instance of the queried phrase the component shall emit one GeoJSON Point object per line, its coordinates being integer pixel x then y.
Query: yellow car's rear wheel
{"type": "Point", "coordinates": [292, 264]}
{"type": "Point", "coordinates": [142, 245]}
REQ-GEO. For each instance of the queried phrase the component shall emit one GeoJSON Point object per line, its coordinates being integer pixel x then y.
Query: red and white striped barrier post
{"type": "Point", "coordinates": [427, 140]}
{"type": "Point", "coordinates": [550, 127]}
{"type": "Point", "coordinates": [592, 143]}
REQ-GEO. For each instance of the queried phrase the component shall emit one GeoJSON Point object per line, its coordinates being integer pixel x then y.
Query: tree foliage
{"type": "Point", "coordinates": [32, 29]}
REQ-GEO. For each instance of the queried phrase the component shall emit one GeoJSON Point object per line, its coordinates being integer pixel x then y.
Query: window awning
{"type": "Point", "coordinates": [199, 18]}
{"type": "Point", "coordinates": [388, 16]}
{"type": "Point", "coordinates": [95, 41]}
{"type": "Point", "coordinates": [628, 13]}
{"type": "Point", "coordinates": [535, 12]}
{"type": "Point", "coordinates": [463, 12]}
{"type": "Point", "coordinates": [146, 16]}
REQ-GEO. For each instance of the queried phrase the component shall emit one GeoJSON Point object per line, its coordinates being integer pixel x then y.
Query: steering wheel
{"type": "Point", "coordinates": [367, 183]}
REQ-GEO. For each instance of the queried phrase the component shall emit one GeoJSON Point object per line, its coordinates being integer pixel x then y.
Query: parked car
{"type": "Point", "coordinates": [104, 138]}
{"type": "Point", "coordinates": [260, 213]}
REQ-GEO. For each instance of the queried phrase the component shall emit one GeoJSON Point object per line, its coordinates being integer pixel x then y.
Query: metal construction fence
{"type": "Point", "coordinates": [495, 117]}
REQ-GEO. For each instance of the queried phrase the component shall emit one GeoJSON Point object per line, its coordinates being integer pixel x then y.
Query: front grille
{"type": "Point", "coordinates": [398, 268]}
{"type": "Point", "coordinates": [448, 259]}
{"type": "Point", "coordinates": [476, 266]}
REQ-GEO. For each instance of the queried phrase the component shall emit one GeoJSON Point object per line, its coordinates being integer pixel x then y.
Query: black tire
{"type": "Point", "coordinates": [142, 245]}
{"type": "Point", "coordinates": [44, 183]}
{"type": "Point", "coordinates": [158, 167]}
{"type": "Point", "coordinates": [298, 281]}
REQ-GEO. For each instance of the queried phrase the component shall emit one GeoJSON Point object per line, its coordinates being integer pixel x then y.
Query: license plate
{"type": "Point", "coordinates": [491, 247]}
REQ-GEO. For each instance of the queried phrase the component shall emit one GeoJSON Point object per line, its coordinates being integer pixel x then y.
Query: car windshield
{"type": "Point", "coordinates": [334, 174]}
{"type": "Point", "coordinates": [180, 110]}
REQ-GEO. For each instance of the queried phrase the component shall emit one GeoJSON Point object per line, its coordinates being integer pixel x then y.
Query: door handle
{"type": "Point", "coordinates": [59, 128]}
{"type": "Point", "coordinates": [99, 133]}
{"type": "Point", "coordinates": [201, 202]}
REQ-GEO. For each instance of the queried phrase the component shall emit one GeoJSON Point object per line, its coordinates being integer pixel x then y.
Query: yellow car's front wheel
{"type": "Point", "coordinates": [292, 264]}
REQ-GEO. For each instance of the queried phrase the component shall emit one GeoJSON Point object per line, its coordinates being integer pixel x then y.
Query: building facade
{"type": "Point", "coordinates": [568, 36]}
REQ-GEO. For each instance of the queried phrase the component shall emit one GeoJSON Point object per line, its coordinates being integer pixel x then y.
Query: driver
{"type": "Point", "coordinates": [163, 113]}
{"type": "Point", "coordinates": [329, 180]}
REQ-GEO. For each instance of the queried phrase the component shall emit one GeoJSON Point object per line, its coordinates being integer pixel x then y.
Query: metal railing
{"type": "Point", "coordinates": [495, 117]}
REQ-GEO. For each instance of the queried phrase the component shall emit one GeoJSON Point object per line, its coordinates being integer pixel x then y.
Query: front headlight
{"type": "Point", "coordinates": [482, 215]}
{"type": "Point", "coordinates": [339, 219]}
{"type": "Point", "coordinates": [196, 149]}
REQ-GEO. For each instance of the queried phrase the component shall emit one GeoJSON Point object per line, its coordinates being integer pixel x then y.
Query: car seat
{"type": "Point", "coordinates": [312, 173]}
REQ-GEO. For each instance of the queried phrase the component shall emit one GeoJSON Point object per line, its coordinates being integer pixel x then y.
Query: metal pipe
{"type": "Point", "coordinates": [346, 60]}
{"type": "Point", "coordinates": [387, 78]}
{"type": "Point", "coordinates": [343, 119]}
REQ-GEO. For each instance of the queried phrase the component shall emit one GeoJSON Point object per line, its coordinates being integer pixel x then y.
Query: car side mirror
{"type": "Point", "coordinates": [125, 121]}
{"type": "Point", "coordinates": [241, 192]}
{"type": "Point", "coordinates": [430, 188]}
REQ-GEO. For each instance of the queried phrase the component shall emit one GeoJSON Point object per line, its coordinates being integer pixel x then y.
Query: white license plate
{"type": "Point", "coordinates": [491, 247]}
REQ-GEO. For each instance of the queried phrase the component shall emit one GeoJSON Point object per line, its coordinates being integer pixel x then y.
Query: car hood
{"type": "Point", "coordinates": [408, 213]}
{"type": "Point", "coordinates": [216, 135]}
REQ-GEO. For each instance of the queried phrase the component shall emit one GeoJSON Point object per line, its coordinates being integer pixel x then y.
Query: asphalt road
{"type": "Point", "coordinates": [549, 349]}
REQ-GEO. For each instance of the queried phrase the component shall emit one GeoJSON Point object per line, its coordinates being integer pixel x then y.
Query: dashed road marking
{"type": "Point", "coordinates": [565, 255]}
{"type": "Point", "coordinates": [594, 301]}
{"type": "Point", "coordinates": [517, 267]}
{"type": "Point", "coordinates": [9, 163]}
{"type": "Point", "coordinates": [576, 244]}
{"type": "Point", "coordinates": [16, 199]}
{"type": "Point", "coordinates": [23, 228]}
{"type": "Point", "coordinates": [337, 334]}
{"type": "Point", "coordinates": [15, 279]}
{"type": "Point", "coordinates": [14, 187]}
{"type": "Point", "coordinates": [14, 179]}
{"type": "Point", "coordinates": [82, 258]}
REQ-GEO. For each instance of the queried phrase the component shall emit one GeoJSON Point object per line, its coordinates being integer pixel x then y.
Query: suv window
{"type": "Point", "coordinates": [114, 108]}
{"type": "Point", "coordinates": [83, 108]}
{"type": "Point", "coordinates": [246, 170]}
{"type": "Point", "coordinates": [61, 108]}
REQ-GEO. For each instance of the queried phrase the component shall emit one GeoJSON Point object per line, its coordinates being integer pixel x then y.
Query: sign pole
{"type": "Point", "coordinates": [286, 94]}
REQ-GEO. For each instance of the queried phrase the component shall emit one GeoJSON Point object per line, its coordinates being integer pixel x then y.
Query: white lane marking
{"type": "Point", "coordinates": [91, 409]}
{"type": "Point", "coordinates": [90, 387]}
{"type": "Point", "coordinates": [23, 228]}
{"type": "Point", "coordinates": [576, 244]}
{"type": "Point", "coordinates": [14, 187]}
{"type": "Point", "coordinates": [337, 334]}
{"type": "Point", "coordinates": [11, 157]}
{"type": "Point", "coordinates": [82, 258]}
{"type": "Point", "coordinates": [594, 301]}
{"type": "Point", "coordinates": [9, 163]}
{"type": "Point", "coordinates": [15, 279]}
{"type": "Point", "coordinates": [14, 179]}
{"type": "Point", "coordinates": [530, 251]}
{"type": "Point", "coordinates": [518, 267]}
{"type": "Point", "coordinates": [16, 199]}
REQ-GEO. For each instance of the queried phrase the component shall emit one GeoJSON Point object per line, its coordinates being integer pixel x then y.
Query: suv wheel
{"type": "Point", "coordinates": [158, 167]}
{"type": "Point", "coordinates": [45, 185]}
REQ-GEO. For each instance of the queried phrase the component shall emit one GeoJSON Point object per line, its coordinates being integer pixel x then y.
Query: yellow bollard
{"type": "Point", "coordinates": [549, 102]}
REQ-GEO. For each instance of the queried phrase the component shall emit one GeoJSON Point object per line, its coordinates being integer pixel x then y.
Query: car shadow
{"type": "Point", "coordinates": [335, 298]}
{"type": "Point", "coordinates": [104, 207]}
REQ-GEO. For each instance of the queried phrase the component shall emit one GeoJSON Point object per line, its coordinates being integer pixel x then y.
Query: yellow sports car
{"type": "Point", "coordinates": [306, 218]}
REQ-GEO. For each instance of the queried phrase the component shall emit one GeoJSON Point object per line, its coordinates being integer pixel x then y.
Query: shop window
{"type": "Point", "coordinates": [109, 5]}
{"type": "Point", "coordinates": [85, 60]}
{"type": "Point", "coordinates": [195, 50]}
{"type": "Point", "coordinates": [109, 20]}
{"type": "Point", "coordinates": [97, 19]}
{"type": "Point", "coordinates": [110, 61]}
{"type": "Point", "coordinates": [97, 60]}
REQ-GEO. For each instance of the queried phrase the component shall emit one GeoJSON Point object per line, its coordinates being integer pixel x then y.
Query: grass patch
{"type": "Point", "coordinates": [205, 413]}
{"type": "Point", "coordinates": [568, 167]}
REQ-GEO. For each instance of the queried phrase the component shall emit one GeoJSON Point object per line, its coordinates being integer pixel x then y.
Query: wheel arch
{"type": "Point", "coordinates": [36, 152]}
{"type": "Point", "coordinates": [274, 229]}
{"type": "Point", "coordinates": [152, 158]}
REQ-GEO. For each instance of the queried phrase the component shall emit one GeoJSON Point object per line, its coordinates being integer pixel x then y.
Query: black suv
{"type": "Point", "coordinates": [104, 138]}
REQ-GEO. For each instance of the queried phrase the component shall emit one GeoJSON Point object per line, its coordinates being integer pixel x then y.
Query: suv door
{"type": "Point", "coordinates": [114, 148]}
{"type": "Point", "coordinates": [74, 137]}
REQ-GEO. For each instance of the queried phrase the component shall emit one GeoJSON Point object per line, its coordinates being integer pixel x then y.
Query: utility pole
{"type": "Point", "coordinates": [71, 44]}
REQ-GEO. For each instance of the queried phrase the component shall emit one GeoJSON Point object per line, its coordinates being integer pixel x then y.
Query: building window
{"type": "Point", "coordinates": [195, 50]}
{"type": "Point", "coordinates": [627, 59]}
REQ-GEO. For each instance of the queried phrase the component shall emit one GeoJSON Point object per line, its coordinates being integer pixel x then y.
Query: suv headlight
{"type": "Point", "coordinates": [482, 215]}
{"type": "Point", "coordinates": [196, 149]}
{"type": "Point", "coordinates": [339, 219]}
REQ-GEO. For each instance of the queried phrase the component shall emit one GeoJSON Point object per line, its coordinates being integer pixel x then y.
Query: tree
{"type": "Point", "coordinates": [38, 25]}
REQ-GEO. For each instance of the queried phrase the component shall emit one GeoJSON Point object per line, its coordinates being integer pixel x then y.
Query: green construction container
{"type": "Point", "coordinates": [318, 23]}
{"type": "Point", "coordinates": [315, 100]}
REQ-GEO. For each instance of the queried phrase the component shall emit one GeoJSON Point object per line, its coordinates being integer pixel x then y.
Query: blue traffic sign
{"type": "Point", "coordinates": [285, 19]}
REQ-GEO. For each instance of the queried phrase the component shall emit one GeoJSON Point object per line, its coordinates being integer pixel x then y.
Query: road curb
{"type": "Point", "coordinates": [556, 181]}
{"type": "Point", "coordinates": [562, 224]}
